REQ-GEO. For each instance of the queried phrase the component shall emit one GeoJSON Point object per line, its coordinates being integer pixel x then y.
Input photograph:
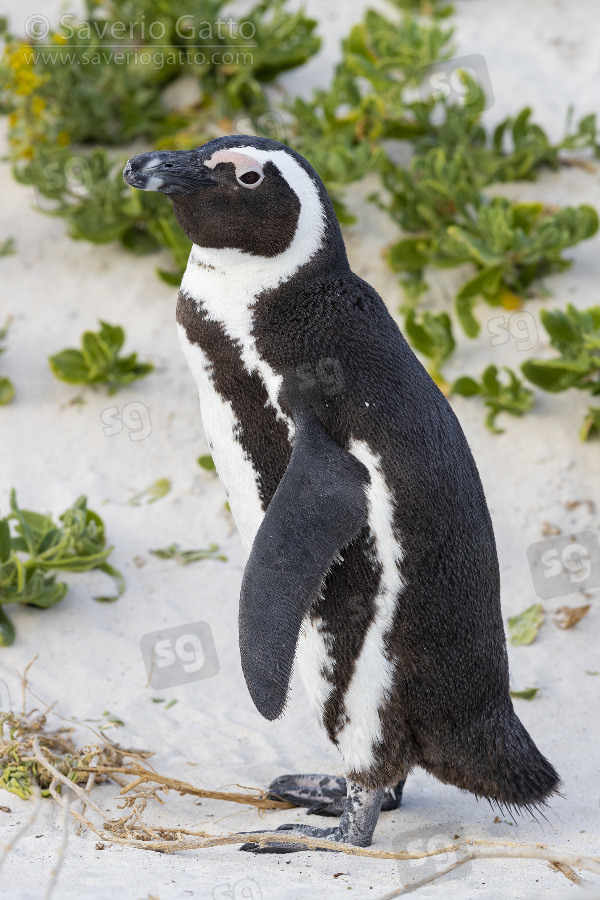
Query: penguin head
{"type": "Point", "coordinates": [243, 193]}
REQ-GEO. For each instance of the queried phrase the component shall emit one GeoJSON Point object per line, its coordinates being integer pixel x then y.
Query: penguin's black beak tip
{"type": "Point", "coordinates": [170, 172]}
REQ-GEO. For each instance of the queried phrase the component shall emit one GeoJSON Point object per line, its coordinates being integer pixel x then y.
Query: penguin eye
{"type": "Point", "coordinates": [250, 178]}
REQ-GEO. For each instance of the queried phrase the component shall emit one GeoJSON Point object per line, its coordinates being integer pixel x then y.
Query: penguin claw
{"type": "Point", "coordinates": [326, 809]}
{"type": "Point", "coordinates": [274, 847]}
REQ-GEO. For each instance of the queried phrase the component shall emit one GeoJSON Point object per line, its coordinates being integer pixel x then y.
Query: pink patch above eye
{"type": "Point", "coordinates": [240, 160]}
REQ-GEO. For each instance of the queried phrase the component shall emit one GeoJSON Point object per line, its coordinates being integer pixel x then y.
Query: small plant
{"type": "Point", "coordinates": [7, 388]}
{"type": "Point", "coordinates": [36, 546]}
{"type": "Point", "coordinates": [513, 398]}
{"type": "Point", "coordinates": [576, 335]}
{"type": "Point", "coordinates": [511, 245]}
{"type": "Point", "coordinates": [185, 557]}
{"type": "Point", "coordinates": [98, 361]}
{"type": "Point", "coordinates": [432, 336]}
{"type": "Point", "coordinates": [341, 129]}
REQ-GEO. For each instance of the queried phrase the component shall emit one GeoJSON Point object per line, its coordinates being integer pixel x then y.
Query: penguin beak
{"type": "Point", "coordinates": [170, 172]}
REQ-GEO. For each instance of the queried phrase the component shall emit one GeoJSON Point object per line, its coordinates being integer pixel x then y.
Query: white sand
{"type": "Point", "coordinates": [89, 655]}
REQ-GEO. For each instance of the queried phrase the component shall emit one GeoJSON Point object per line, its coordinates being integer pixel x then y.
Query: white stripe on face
{"type": "Point", "coordinates": [254, 273]}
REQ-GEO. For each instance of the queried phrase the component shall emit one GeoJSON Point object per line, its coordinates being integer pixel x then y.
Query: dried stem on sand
{"type": "Point", "coordinates": [60, 768]}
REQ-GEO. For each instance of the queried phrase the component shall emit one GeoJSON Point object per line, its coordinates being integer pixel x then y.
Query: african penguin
{"type": "Point", "coordinates": [372, 558]}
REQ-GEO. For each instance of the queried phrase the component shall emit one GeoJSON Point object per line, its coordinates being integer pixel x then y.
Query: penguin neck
{"type": "Point", "coordinates": [227, 281]}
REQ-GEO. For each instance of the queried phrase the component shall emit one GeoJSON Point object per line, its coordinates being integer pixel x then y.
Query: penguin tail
{"type": "Point", "coordinates": [501, 763]}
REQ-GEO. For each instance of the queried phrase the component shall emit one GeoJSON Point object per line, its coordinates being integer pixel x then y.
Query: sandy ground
{"type": "Point", "coordinates": [89, 654]}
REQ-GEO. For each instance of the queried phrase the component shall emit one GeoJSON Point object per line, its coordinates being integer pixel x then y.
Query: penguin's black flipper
{"type": "Point", "coordinates": [318, 508]}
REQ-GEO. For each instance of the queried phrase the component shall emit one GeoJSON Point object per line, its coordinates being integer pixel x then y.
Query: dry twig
{"type": "Point", "coordinates": [183, 787]}
{"type": "Point", "coordinates": [59, 762]}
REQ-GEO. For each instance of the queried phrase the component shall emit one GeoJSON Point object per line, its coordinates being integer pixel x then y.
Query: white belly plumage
{"type": "Point", "coordinates": [233, 466]}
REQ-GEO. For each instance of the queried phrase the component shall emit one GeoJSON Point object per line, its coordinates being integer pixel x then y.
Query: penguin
{"type": "Point", "coordinates": [372, 562]}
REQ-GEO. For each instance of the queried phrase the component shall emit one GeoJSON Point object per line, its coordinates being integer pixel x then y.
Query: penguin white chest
{"type": "Point", "coordinates": [211, 292]}
{"type": "Point", "coordinates": [220, 423]}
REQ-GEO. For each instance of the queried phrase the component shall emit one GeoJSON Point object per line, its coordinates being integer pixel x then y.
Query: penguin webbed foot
{"type": "Point", "coordinates": [357, 823]}
{"type": "Point", "coordinates": [324, 795]}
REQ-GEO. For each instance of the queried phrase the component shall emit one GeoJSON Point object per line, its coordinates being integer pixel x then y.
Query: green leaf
{"type": "Point", "coordinates": [153, 492]}
{"type": "Point", "coordinates": [119, 581]}
{"type": "Point", "coordinates": [70, 365]}
{"type": "Point", "coordinates": [96, 353]}
{"type": "Point", "coordinates": [527, 694]}
{"type": "Point", "coordinates": [408, 255]}
{"type": "Point", "coordinates": [464, 311]}
{"type": "Point", "coordinates": [523, 628]}
{"type": "Point", "coordinates": [432, 336]}
{"type": "Point", "coordinates": [526, 215]}
{"type": "Point", "coordinates": [7, 247]}
{"type": "Point", "coordinates": [490, 381]}
{"type": "Point", "coordinates": [559, 326]}
{"type": "Point", "coordinates": [553, 375]}
{"type": "Point", "coordinates": [171, 278]}
{"type": "Point", "coordinates": [485, 282]}
{"type": "Point", "coordinates": [112, 335]}
{"type": "Point", "coordinates": [206, 462]}
{"type": "Point", "coordinates": [7, 630]}
{"type": "Point", "coordinates": [5, 543]}
{"type": "Point", "coordinates": [7, 391]}
{"type": "Point", "coordinates": [44, 592]}
{"type": "Point", "coordinates": [465, 386]}
{"type": "Point", "coordinates": [591, 424]}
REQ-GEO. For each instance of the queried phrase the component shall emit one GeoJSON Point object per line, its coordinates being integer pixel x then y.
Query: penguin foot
{"type": "Point", "coordinates": [324, 795]}
{"type": "Point", "coordinates": [357, 824]}
{"type": "Point", "coordinates": [333, 834]}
